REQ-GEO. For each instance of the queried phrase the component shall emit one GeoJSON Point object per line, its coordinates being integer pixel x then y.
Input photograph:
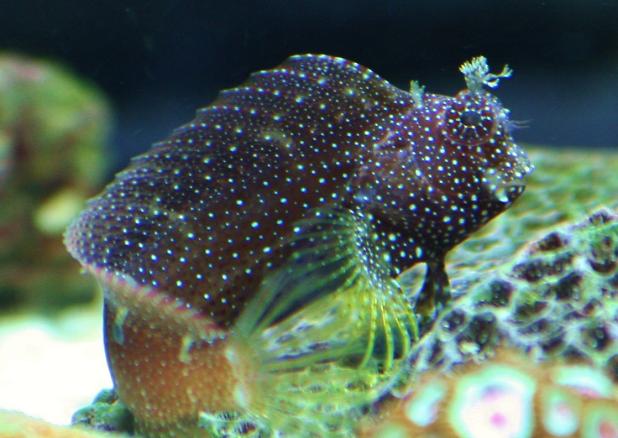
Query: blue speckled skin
{"type": "Point", "coordinates": [206, 214]}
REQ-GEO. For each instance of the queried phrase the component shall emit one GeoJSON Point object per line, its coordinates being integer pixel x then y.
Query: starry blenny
{"type": "Point", "coordinates": [317, 180]}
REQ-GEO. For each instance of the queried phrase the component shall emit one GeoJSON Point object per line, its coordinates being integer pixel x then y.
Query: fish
{"type": "Point", "coordinates": [273, 227]}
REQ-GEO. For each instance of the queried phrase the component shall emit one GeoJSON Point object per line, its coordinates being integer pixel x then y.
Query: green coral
{"type": "Point", "coordinates": [557, 299]}
{"type": "Point", "coordinates": [106, 413]}
{"type": "Point", "coordinates": [53, 130]}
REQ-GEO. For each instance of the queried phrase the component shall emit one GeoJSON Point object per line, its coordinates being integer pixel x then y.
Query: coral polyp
{"type": "Point", "coordinates": [508, 397]}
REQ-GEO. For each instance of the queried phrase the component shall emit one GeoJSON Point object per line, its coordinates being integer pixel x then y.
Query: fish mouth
{"type": "Point", "coordinates": [523, 167]}
{"type": "Point", "coordinates": [508, 180]}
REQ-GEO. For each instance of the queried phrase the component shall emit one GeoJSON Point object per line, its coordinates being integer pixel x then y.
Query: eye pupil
{"type": "Point", "coordinates": [470, 118]}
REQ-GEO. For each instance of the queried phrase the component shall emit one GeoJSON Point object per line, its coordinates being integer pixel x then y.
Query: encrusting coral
{"type": "Point", "coordinates": [557, 298]}
{"type": "Point", "coordinates": [505, 397]}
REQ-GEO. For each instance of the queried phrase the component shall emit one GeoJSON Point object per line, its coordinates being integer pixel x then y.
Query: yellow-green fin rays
{"type": "Point", "coordinates": [331, 324]}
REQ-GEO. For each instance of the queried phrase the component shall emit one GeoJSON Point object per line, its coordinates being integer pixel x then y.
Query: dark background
{"type": "Point", "coordinates": [160, 60]}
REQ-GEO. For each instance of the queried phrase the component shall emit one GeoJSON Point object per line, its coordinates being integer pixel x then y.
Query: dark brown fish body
{"type": "Point", "coordinates": [203, 213]}
{"type": "Point", "coordinates": [318, 157]}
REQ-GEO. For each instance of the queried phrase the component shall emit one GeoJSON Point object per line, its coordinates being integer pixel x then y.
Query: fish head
{"type": "Point", "coordinates": [452, 165]}
{"type": "Point", "coordinates": [476, 130]}
{"type": "Point", "coordinates": [463, 146]}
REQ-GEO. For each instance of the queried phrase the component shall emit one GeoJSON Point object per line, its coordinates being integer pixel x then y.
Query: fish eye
{"type": "Point", "coordinates": [470, 118]}
{"type": "Point", "coordinates": [469, 121]}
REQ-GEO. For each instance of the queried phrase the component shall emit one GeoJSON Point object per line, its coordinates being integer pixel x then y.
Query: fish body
{"type": "Point", "coordinates": [310, 179]}
{"type": "Point", "coordinates": [202, 214]}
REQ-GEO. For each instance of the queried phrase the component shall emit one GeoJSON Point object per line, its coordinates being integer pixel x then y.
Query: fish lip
{"type": "Point", "coordinates": [528, 169]}
{"type": "Point", "coordinates": [522, 168]}
{"type": "Point", "coordinates": [518, 181]}
{"type": "Point", "coordinates": [508, 181]}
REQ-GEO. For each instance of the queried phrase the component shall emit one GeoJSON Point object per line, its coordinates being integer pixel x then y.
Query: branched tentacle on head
{"type": "Point", "coordinates": [477, 75]}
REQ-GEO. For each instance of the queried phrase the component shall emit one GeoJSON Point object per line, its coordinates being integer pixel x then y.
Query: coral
{"type": "Point", "coordinates": [507, 397]}
{"type": "Point", "coordinates": [557, 298]}
{"type": "Point", "coordinates": [53, 128]}
{"type": "Point", "coordinates": [106, 413]}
